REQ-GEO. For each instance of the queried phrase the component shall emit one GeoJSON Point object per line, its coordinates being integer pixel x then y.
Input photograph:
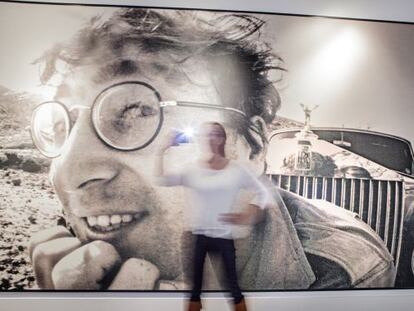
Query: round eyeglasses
{"type": "Point", "coordinates": [126, 116]}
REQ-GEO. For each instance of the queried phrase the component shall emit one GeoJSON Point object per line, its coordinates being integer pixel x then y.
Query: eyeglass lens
{"type": "Point", "coordinates": [126, 116]}
{"type": "Point", "coordinates": [50, 128]}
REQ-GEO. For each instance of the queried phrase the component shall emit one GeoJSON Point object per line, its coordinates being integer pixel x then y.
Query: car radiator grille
{"type": "Point", "coordinates": [379, 203]}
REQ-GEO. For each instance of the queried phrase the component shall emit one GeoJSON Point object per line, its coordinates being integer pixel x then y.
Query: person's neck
{"type": "Point", "coordinates": [217, 162]}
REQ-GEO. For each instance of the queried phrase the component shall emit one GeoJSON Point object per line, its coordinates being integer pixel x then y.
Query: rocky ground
{"type": "Point", "coordinates": [27, 205]}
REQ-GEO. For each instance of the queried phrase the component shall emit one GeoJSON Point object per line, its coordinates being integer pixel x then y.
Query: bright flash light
{"type": "Point", "coordinates": [189, 132]}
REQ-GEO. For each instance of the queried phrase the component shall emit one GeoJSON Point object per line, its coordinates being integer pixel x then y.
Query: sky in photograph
{"type": "Point", "coordinates": [360, 74]}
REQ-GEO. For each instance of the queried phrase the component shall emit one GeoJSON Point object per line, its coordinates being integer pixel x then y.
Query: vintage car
{"type": "Point", "coordinates": [366, 172]}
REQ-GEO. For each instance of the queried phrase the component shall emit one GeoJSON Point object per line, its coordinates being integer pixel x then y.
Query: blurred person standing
{"type": "Point", "coordinates": [215, 182]}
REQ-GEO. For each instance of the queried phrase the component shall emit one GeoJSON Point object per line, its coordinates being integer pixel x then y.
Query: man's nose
{"type": "Point", "coordinates": [84, 157]}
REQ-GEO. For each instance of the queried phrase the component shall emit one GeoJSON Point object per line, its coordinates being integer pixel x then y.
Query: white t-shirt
{"type": "Point", "coordinates": [214, 192]}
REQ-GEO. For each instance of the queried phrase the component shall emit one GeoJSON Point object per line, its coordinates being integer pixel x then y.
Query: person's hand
{"type": "Point", "coordinates": [167, 142]}
{"type": "Point", "coordinates": [252, 215]}
{"type": "Point", "coordinates": [61, 261]}
{"type": "Point", "coordinates": [235, 218]}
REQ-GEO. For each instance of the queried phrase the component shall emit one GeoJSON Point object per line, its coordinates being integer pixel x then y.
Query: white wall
{"type": "Point", "coordinates": [396, 10]}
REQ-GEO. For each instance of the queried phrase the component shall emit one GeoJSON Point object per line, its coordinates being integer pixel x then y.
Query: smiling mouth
{"type": "Point", "coordinates": [109, 223]}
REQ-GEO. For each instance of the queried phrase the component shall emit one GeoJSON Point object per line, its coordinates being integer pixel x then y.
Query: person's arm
{"type": "Point", "coordinates": [254, 213]}
{"type": "Point", "coordinates": [261, 194]}
{"type": "Point", "coordinates": [159, 162]}
{"type": "Point", "coordinates": [162, 179]}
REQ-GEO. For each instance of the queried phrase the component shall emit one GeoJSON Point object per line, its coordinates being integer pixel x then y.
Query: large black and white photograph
{"type": "Point", "coordinates": [150, 149]}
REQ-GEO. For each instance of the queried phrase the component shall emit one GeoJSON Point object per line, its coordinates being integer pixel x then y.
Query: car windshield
{"type": "Point", "coordinates": [389, 151]}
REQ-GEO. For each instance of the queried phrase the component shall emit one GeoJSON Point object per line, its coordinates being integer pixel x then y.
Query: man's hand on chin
{"type": "Point", "coordinates": [61, 261]}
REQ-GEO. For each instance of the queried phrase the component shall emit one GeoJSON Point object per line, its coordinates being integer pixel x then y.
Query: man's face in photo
{"type": "Point", "coordinates": [111, 195]}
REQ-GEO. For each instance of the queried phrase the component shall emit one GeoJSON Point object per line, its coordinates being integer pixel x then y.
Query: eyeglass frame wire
{"type": "Point", "coordinates": [162, 105]}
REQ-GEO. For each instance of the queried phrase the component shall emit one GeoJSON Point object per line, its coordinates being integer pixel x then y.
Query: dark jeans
{"type": "Point", "coordinates": [224, 247]}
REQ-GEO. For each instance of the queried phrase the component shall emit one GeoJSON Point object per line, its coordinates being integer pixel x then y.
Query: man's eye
{"type": "Point", "coordinates": [147, 111]}
{"type": "Point", "coordinates": [133, 113]}
{"type": "Point", "coordinates": [136, 110]}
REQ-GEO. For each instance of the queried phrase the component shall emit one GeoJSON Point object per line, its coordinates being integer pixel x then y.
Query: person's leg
{"type": "Point", "coordinates": [200, 251]}
{"type": "Point", "coordinates": [228, 254]}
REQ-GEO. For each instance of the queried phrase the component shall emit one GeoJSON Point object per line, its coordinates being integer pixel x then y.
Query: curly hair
{"type": "Point", "coordinates": [180, 36]}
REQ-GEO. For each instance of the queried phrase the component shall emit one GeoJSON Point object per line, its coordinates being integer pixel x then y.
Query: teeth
{"type": "Point", "coordinates": [92, 221]}
{"type": "Point", "coordinates": [113, 221]}
{"type": "Point", "coordinates": [126, 218]}
{"type": "Point", "coordinates": [116, 219]}
{"type": "Point", "coordinates": [103, 220]}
